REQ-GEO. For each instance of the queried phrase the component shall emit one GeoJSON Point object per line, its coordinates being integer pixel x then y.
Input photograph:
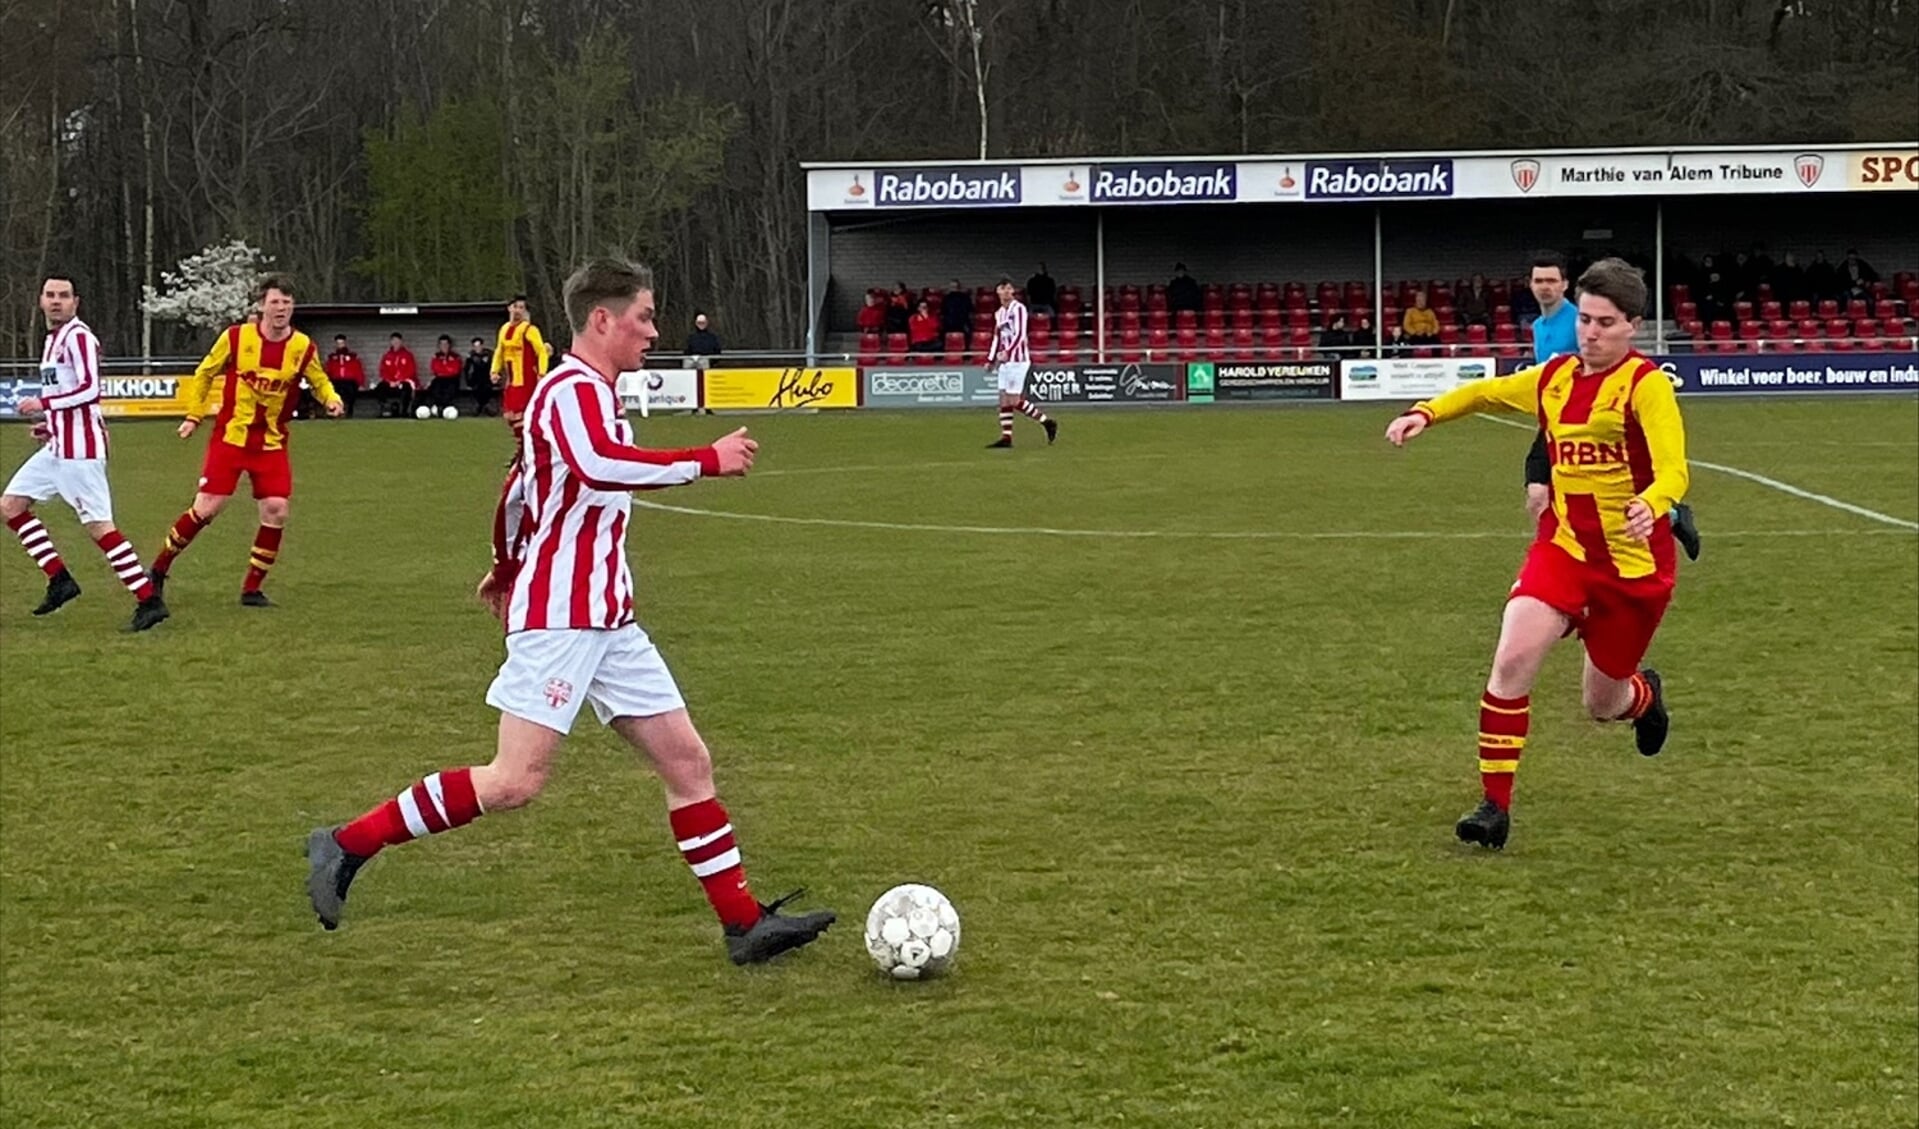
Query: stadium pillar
{"type": "Point", "coordinates": [1659, 275]}
{"type": "Point", "coordinates": [1379, 282]}
{"type": "Point", "coordinates": [1099, 281]}
{"type": "Point", "coordinates": [819, 273]}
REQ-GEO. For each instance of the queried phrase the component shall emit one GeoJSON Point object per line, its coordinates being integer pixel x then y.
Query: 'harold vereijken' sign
{"type": "Point", "coordinates": [1163, 181]}
{"type": "Point", "coordinates": [947, 186]}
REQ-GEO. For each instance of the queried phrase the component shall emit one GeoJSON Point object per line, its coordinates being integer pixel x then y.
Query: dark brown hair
{"type": "Point", "coordinates": [612, 283]}
{"type": "Point", "coordinates": [1618, 282]}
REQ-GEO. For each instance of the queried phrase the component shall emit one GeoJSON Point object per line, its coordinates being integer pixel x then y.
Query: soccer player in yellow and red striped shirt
{"type": "Point", "coordinates": [1602, 564]}
{"type": "Point", "coordinates": [250, 382]}
{"type": "Point", "coordinates": [519, 360]}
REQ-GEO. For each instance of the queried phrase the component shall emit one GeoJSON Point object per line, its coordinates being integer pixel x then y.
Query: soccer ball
{"type": "Point", "coordinates": [450, 412]}
{"type": "Point", "coordinates": [912, 932]}
{"type": "Point", "coordinates": [423, 412]}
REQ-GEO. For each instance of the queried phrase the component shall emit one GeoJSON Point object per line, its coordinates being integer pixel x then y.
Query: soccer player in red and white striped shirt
{"type": "Point", "coordinates": [1010, 359]}
{"type": "Point", "coordinates": [72, 462]}
{"type": "Point", "coordinates": [561, 585]}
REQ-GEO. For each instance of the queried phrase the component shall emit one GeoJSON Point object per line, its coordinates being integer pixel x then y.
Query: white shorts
{"type": "Point", "coordinates": [82, 483]}
{"type": "Point", "coordinates": [1012, 377]}
{"type": "Point", "coordinates": [549, 674]}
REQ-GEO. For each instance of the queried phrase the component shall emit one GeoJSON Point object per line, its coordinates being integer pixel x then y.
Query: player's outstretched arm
{"type": "Point", "coordinates": [200, 384]}
{"type": "Point", "coordinates": [317, 379]}
{"type": "Point", "coordinates": [581, 417]}
{"type": "Point", "coordinates": [1657, 409]}
{"type": "Point", "coordinates": [1404, 427]}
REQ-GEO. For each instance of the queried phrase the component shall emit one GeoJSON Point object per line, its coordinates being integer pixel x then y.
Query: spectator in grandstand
{"type": "Point", "coordinates": [1716, 296]}
{"type": "Point", "coordinates": [872, 316]}
{"type": "Point", "coordinates": [899, 309]}
{"type": "Point", "coordinates": [1363, 339]}
{"type": "Point", "coordinates": [1788, 279]}
{"type": "Point", "coordinates": [1822, 281]}
{"type": "Point", "coordinates": [1476, 303]}
{"type": "Point", "coordinates": [956, 310]}
{"type": "Point", "coordinates": [445, 366]}
{"type": "Point", "coordinates": [399, 378]}
{"type": "Point", "coordinates": [1856, 276]}
{"type": "Point", "coordinates": [344, 369]}
{"type": "Point", "coordinates": [1335, 341]}
{"type": "Point", "coordinates": [1420, 326]}
{"type": "Point", "coordinates": [1042, 293]}
{"type": "Point", "coordinates": [702, 342]}
{"type": "Point", "coordinates": [923, 329]}
{"type": "Point", "coordinates": [478, 371]}
{"type": "Point", "coordinates": [1182, 293]}
{"type": "Point", "coordinates": [1741, 277]}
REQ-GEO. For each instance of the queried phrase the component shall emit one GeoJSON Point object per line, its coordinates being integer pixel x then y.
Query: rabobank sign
{"type": "Point", "coordinates": [954, 186]}
{"type": "Point", "coordinates": [1373, 180]}
{"type": "Point", "coordinates": [1165, 181]}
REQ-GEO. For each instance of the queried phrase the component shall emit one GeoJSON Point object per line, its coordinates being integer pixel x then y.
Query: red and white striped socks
{"type": "Point", "coordinates": [437, 803]}
{"type": "Point", "coordinates": [125, 564]}
{"type": "Point", "coordinates": [1006, 424]}
{"type": "Point", "coordinates": [38, 543]}
{"type": "Point", "coordinates": [705, 838]}
{"type": "Point", "coordinates": [1031, 409]}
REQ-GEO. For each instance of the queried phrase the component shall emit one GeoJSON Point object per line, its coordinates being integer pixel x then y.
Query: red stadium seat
{"type": "Point", "coordinates": [1887, 308]}
{"type": "Point", "coordinates": [1505, 333]}
{"type": "Point", "coordinates": [1856, 309]}
{"type": "Point", "coordinates": [1799, 310]}
{"type": "Point", "coordinates": [1042, 321]}
{"type": "Point", "coordinates": [1475, 334]}
{"type": "Point", "coordinates": [1187, 337]}
{"type": "Point", "coordinates": [1158, 339]}
{"type": "Point", "coordinates": [1893, 332]}
{"type": "Point", "coordinates": [1186, 319]}
{"type": "Point", "coordinates": [1158, 320]}
{"type": "Point", "coordinates": [1040, 338]}
{"type": "Point", "coordinates": [1685, 311]}
{"type": "Point", "coordinates": [1837, 328]}
{"type": "Point", "coordinates": [1272, 337]}
{"type": "Point", "coordinates": [896, 345]}
{"type": "Point", "coordinates": [1215, 340]}
{"type": "Point", "coordinates": [1241, 318]}
{"type": "Point", "coordinates": [982, 342]}
{"type": "Point", "coordinates": [1068, 323]}
{"type": "Point", "coordinates": [1502, 313]}
{"type": "Point", "coordinates": [1215, 319]}
{"type": "Point", "coordinates": [1068, 352]}
{"type": "Point", "coordinates": [871, 348]}
{"type": "Point", "coordinates": [1742, 311]}
{"type": "Point", "coordinates": [1828, 309]}
{"type": "Point", "coordinates": [1866, 332]}
{"type": "Point", "coordinates": [955, 348]}
{"type": "Point", "coordinates": [1770, 310]}
{"type": "Point", "coordinates": [1779, 333]}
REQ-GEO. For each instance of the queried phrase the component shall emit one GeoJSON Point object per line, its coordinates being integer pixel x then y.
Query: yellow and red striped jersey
{"type": "Point", "coordinates": [253, 385]}
{"type": "Point", "coordinates": [1613, 436]}
{"type": "Point", "coordinates": [521, 353]}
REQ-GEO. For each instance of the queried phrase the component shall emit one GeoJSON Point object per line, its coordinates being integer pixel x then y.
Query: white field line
{"type": "Point", "coordinates": [1750, 476]}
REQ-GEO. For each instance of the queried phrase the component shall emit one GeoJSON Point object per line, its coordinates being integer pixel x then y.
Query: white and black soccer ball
{"type": "Point", "coordinates": [913, 932]}
{"type": "Point", "coordinates": [449, 412]}
{"type": "Point", "coordinates": [423, 412]}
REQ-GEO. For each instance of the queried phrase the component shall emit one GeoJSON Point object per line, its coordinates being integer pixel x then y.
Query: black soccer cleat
{"type": "Point", "coordinates": [61, 590]}
{"type": "Point", "coordinates": [1052, 430]}
{"type": "Point", "coordinates": [159, 581]}
{"type": "Point", "coordinates": [1001, 443]}
{"type": "Point", "coordinates": [149, 613]}
{"type": "Point", "coordinates": [1684, 530]}
{"type": "Point", "coordinates": [775, 933]}
{"type": "Point", "coordinates": [330, 870]}
{"type": "Point", "coordinates": [1649, 728]}
{"type": "Point", "coordinates": [1486, 825]}
{"type": "Point", "coordinates": [255, 599]}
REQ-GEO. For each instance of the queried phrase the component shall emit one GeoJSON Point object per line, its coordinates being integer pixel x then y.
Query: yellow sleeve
{"type": "Point", "coordinates": [315, 374]}
{"type": "Point", "coordinates": [1518, 392]}
{"type": "Point", "coordinates": [200, 384]}
{"type": "Point", "coordinates": [534, 339]}
{"type": "Point", "coordinates": [1657, 409]}
{"type": "Point", "coordinates": [499, 350]}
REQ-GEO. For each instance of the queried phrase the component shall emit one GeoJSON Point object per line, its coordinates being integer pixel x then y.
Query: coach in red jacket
{"type": "Point", "coordinates": [344, 369]}
{"type": "Point", "coordinates": [399, 378]}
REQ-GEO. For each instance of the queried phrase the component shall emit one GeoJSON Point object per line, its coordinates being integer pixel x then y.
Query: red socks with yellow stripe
{"type": "Point", "coordinates": [1502, 737]}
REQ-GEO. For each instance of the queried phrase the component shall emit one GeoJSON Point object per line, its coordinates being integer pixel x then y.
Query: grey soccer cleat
{"type": "Point", "coordinates": [330, 871]}
{"type": "Point", "coordinates": [775, 933]}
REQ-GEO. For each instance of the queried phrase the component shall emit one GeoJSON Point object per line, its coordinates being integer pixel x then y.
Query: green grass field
{"type": "Point", "coordinates": [1193, 794]}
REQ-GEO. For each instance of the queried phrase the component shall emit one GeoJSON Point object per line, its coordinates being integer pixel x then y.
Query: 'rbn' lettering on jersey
{"type": "Point", "coordinates": [1584, 452]}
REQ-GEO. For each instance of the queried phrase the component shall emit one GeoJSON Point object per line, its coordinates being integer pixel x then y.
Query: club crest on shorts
{"type": "Point", "coordinates": [558, 692]}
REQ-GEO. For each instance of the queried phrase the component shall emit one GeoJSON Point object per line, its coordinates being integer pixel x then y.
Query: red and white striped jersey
{"type": "Point", "coordinates": [1009, 333]}
{"type": "Point", "coordinates": [578, 466]}
{"type": "Point", "coordinates": [70, 389]}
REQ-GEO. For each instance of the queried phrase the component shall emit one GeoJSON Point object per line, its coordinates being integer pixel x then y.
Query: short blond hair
{"type": "Point", "coordinates": [609, 283]}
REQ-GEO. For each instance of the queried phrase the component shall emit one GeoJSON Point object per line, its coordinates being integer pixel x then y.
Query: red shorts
{"type": "Point", "coordinates": [269, 471]}
{"type": "Point", "coordinates": [1615, 618]}
{"type": "Point", "coordinates": [515, 397]}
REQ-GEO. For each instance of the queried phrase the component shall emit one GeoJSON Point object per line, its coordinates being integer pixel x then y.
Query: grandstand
{"type": "Point", "coordinates": [1275, 276]}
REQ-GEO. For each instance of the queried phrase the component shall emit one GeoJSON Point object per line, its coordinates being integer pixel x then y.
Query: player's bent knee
{"type": "Point", "coordinates": [13, 505]}
{"type": "Point", "coordinates": [273, 511]}
{"type": "Point", "coordinates": [503, 789]}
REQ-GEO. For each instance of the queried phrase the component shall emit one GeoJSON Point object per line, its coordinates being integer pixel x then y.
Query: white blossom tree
{"type": "Point", "coordinates": [209, 290]}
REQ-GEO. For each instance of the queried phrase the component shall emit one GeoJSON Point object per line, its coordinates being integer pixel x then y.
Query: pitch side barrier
{"type": "Point", "coordinates": [768, 387]}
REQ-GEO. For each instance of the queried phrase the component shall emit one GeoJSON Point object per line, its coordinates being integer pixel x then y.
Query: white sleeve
{"type": "Point", "coordinates": [578, 417]}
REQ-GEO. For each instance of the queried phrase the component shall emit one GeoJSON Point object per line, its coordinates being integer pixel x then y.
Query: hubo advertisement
{"type": "Point", "coordinates": [751, 389]}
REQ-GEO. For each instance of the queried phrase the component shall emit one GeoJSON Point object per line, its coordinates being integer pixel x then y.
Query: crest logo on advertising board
{"type": "Point", "coordinates": [1809, 166]}
{"type": "Point", "coordinates": [1525, 174]}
